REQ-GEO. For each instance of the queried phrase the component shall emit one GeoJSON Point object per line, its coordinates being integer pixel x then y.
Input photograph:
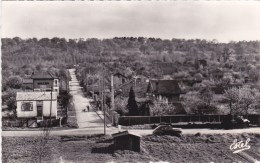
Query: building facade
{"type": "Point", "coordinates": [45, 82]}
{"type": "Point", "coordinates": [36, 104]}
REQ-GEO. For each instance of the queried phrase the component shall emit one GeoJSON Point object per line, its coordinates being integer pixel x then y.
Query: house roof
{"type": "Point", "coordinates": [119, 74]}
{"type": "Point", "coordinates": [123, 133]}
{"type": "Point", "coordinates": [34, 96]}
{"type": "Point", "coordinates": [27, 81]}
{"type": "Point", "coordinates": [217, 70]}
{"type": "Point", "coordinates": [43, 75]}
{"type": "Point", "coordinates": [164, 87]}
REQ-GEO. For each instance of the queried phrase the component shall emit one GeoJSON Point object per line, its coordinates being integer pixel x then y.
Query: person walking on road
{"type": "Point", "coordinates": [88, 108]}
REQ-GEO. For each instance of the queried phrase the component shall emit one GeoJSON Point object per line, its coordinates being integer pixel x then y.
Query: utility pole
{"type": "Point", "coordinates": [112, 92]}
{"type": "Point", "coordinates": [102, 99]}
{"type": "Point", "coordinates": [51, 103]}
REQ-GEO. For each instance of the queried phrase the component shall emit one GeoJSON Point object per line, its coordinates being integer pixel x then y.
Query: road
{"type": "Point", "coordinates": [84, 119]}
{"type": "Point", "coordinates": [88, 131]}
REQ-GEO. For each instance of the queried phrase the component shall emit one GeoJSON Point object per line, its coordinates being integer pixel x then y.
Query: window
{"type": "Point", "coordinates": [27, 106]}
{"type": "Point", "coordinates": [56, 82]}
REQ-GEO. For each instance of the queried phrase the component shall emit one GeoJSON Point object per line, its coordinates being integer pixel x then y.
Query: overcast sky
{"type": "Point", "coordinates": [224, 21]}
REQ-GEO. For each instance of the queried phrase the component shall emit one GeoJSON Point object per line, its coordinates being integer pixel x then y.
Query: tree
{"type": "Point", "coordinates": [132, 105]}
{"type": "Point", "coordinates": [120, 106]}
{"type": "Point", "coordinates": [240, 100]}
{"type": "Point", "coordinates": [206, 104]}
{"type": "Point", "coordinates": [232, 98]}
{"type": "Point", "coordinates": [200, 102]}
{"type": "Point", "coordinates": [191, 101]}
{"type": "Point", "coordinates": [226, 53]}
{"type": "Point", "coordinates": [247, 99]}
{"type": "Point", "coordinates": [11, 102]}
{"type": "Point", "coordinates": [15, 82]}
{"type": "Point", "coordinates": [254, 74]}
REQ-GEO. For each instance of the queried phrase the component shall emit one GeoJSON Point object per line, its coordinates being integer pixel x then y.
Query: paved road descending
{"type": "Point", "coordinates": [84, 119]}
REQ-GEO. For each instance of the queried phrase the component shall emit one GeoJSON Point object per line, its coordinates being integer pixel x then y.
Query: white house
{"type": "Point", "coordinates": [36, 104]}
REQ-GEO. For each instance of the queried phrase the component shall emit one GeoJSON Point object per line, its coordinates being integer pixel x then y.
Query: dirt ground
{"type": "Point", "coordinates": [98, 148]}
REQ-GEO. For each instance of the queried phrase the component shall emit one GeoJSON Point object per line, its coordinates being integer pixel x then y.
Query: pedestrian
{"type": "Point", "coordinates": [88, 108]}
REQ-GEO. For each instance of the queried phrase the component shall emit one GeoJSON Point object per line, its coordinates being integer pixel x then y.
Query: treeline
{"type": "Point", "coordinates": [140, 55]}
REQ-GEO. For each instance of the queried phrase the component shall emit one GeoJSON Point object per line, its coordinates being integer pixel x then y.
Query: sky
{"type": "Point", "coordinates": [225, 21]}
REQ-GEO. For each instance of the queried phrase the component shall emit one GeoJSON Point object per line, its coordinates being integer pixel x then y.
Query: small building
{"type": "Point", "coordinates": [45, 81]}
{"type": "Point", "coordinates": [36, 104]}
{"type": "Point", "coordinates": [127, 141]}
{"type": "Point", "coordinates": [27, 84]}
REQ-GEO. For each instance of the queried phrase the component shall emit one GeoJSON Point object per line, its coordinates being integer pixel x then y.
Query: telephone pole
{"type": "Point", "coordinates": [112, 92]}
{"type": "Point", "coordinates": [102, 99]}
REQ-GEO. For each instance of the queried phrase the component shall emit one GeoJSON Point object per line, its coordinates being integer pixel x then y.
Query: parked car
{"type": "Point", "coordinates": [167, 130]}
{"type": "Point", "coordinates": [230, 122]}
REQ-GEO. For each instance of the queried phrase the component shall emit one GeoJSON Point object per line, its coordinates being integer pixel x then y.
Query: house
{"type": "Point", "coordinates": [127, 141]}
{"type": "Point", "coordinates": [36, 104]}
{"type": "Point", "coordinates": [141, 78]}
{"type": "Point", "coordinates": [164, 90]}
{"type": "Point", "coordinates": [27, 84]}
{"type": "Point", "coordinates": [139, 88]}
{"type": "Point", "coordinates": [45, 81]}
{"type": "Point", "coordinates": [119, 79]}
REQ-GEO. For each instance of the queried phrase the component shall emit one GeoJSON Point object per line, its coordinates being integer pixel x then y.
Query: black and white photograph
{"type": "Point", "coordinates": [130, 81]}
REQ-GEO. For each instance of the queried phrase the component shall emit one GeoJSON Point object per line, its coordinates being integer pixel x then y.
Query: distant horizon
{"type": "Point", "coordinates": [223, 21]}
{"type": "Point", "coordinates": [67, 39]}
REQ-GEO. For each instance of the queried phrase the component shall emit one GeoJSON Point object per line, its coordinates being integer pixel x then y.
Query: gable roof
{"type": "Point", "coordinates": [34, 96]}
{"type": "Point", "coordinates": [123, 133]}
{"type": "Point", "coordinates": [164, 87]}
{"type": "Point", "coordinates": [43, 75]}
{"type": "Point", "coordinates": [119, 74]}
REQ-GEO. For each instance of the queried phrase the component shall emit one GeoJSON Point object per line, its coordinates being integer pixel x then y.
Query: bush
{"type": "Point", "coordinates": [14, 82]}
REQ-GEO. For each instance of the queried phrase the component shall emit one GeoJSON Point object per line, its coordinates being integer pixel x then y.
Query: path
{"type": "Point", "coordinates": [84, 119]}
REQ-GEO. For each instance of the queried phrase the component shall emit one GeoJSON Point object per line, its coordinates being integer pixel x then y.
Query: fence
{"type": "Point", "coordinates": [139, 120]}
{"type": "Point", "coordinates": [30, 123]}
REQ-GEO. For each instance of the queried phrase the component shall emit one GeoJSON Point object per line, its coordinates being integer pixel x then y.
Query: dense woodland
{"type": "Point", "coordinates": [155, 58]}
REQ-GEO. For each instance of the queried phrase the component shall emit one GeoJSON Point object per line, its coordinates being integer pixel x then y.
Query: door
{"type": "Point", "coordinates": [39, 111]}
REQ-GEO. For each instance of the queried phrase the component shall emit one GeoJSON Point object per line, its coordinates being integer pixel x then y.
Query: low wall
{"type": "Point", "coordinates": [139, 120]}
